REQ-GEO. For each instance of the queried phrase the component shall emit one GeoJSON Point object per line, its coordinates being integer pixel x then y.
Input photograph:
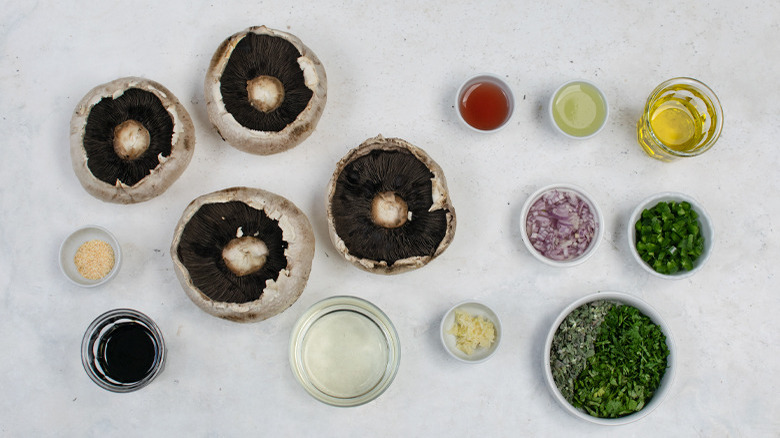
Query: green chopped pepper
{"type": "Point", "coordinates": [668, 237]}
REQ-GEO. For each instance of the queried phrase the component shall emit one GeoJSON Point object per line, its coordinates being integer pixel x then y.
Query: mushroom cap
{"type": "Point", "coordinates": [265, 142]}
{"type": "Point", "coordinates": [168, 169]}
{"type": "Point", "coordinates": [440, 201]}
{"type": "Point", "coordinates": [278, 294]}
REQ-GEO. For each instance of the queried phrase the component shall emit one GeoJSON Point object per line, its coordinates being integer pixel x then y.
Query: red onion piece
{"type": "Point", "coordinates": [560, 225]}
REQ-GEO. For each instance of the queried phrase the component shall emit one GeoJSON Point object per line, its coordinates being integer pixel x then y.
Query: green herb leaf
{"type": "Point", "coordinates": [626, 368]}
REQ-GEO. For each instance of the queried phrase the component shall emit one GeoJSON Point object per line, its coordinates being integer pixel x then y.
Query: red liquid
{"type": "Point", "coordinates": [484, 105]}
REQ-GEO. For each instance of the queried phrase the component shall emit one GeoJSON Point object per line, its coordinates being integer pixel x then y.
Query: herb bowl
{"type": "Point", "coordinates": [594, 209]}
{"type": "Point", "coordinates": [705, 227]}
{"type": "Point", "coordinates": [475, 309]}
{"type": "Point", "coordinates": [665, 382]}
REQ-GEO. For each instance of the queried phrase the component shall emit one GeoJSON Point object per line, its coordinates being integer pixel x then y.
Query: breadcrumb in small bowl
{"type": "Point", "coordinates": [90, 256]}
{"type": "Point", "coordinates": [470, 332]}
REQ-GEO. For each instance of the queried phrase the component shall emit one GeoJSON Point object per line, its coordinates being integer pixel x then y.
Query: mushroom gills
{"type": "Point", "coordinates": [392, 176]}
{"type": "Point", "coordinates": [115, 137]}
{"type": "Point", "coordinates": [262, 85]}
{"type": "Point", "coordinates": [211, 234]}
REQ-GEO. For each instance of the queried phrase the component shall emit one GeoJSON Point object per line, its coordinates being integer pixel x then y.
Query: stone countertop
{"type": "Point", "coordinates": [393, 68]}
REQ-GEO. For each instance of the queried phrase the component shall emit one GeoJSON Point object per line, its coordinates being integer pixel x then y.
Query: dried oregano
{"type": "Point", "coordinates": [573, 343]}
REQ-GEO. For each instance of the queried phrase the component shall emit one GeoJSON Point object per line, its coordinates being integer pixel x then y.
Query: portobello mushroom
{"type": "Point", "coordinates": [388, 207]}
{"type": "Point", "coordinates": [130, 139]}
{"type": "Point", "coordinates": [243, 254]}
{"type": "Point", "coordinates": [265, 90]}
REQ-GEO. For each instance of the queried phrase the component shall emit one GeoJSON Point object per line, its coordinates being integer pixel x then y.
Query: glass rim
{"type": "Point", "coordinates": [708, 93]}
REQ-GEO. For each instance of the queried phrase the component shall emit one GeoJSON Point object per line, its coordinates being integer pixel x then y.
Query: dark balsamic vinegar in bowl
{"type": "Point", "coordinates": [123, 350]}
{"type": "Point", "coordinates": [126, 352]}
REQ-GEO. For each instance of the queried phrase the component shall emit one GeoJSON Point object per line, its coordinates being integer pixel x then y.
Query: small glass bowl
{"type": "Point", "coordinates": [93, 346]}
{"type": "Point", "coordinates": [594, 244]}
{"type": "Point", "coordinates": [705, 226]}
{"type": "Point", "coordinates": [473, 308]}
{"type": "Point", "coordinates": [72, 243]}
{"type": "Point", "coordinates": [344, 351]}
{"type": "Point", "coordinates": [666, 381]}
{"type": "Point", "coordinates": [485, 78]}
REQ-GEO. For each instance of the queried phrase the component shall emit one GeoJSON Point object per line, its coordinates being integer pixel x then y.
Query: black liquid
{"type": "Point", "coordinates": [127, 352]}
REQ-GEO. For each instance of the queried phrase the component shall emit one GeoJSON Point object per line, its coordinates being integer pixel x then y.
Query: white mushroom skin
{"type": "Point", "coordinates": [265, 142]}
{"type": "Point", "coordinates": [441, 200]}
{"type": "Point", "coordinates": [278, 295]}
{"type": "Point", "coordinates": [161, 177]}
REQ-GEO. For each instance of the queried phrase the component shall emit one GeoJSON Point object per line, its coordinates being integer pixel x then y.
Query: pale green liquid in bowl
{"type": "Point", "coordinates": [579, 109]}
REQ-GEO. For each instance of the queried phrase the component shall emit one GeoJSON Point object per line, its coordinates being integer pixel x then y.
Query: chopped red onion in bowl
{"type": "Point", "coordinates": [560, 225]}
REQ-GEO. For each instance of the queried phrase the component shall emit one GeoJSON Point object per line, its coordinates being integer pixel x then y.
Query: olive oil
{"type": "Point", "coordinates": [681, 118]}
{"type": "Point", "coordinates": [677, 123]}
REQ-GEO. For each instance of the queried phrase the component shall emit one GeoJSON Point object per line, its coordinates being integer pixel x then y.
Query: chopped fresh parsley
{"type": "Point", "coordinates": [629, 361]}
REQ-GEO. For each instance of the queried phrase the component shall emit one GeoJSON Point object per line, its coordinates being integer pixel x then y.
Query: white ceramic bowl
{"type": "Point", "coordinates": [666, 381]}
{"type": "Point", "coordinates": [485, 77]}
{"type": "Point", "coordinates": [594, 244]}
{"type": "Point", "coordinates": [555, 95]}
{"type": "Point", "coordinates": [72, 243]}
{"type": "Point", "coordinates": [705, 226]}
{"type": "Point", "coordinates": [473, 308]}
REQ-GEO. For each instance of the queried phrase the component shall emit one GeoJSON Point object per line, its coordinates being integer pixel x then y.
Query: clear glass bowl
{"type": "Point", "coordinates": [344, 351]}
{"type": "Point", "coordinates": [93, 349]}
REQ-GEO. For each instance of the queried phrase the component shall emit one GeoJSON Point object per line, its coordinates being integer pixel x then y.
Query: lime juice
{"type": "Point", "coordinates": [579, 109]}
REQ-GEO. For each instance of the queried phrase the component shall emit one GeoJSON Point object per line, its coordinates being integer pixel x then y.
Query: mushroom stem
{"type": "Point", "coordinates": [131, 139]}
{"type": "Point", "coordinates": [389, 210]}
{"type": "Point", "coordinates": [266, 93]}
{"type": "Point", "coordinates": [245, 255]}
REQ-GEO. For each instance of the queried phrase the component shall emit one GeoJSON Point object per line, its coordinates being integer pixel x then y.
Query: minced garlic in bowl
{"type": "Point", "coordinates": [470, 332]}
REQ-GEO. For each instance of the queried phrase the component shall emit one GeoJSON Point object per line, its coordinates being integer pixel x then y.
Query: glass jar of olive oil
{"type": "Point", "coordinates": [682, 118]}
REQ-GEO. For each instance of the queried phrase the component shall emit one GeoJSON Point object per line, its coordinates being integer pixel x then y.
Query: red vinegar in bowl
{"type": "Point", "coordinates": [485, 103]}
